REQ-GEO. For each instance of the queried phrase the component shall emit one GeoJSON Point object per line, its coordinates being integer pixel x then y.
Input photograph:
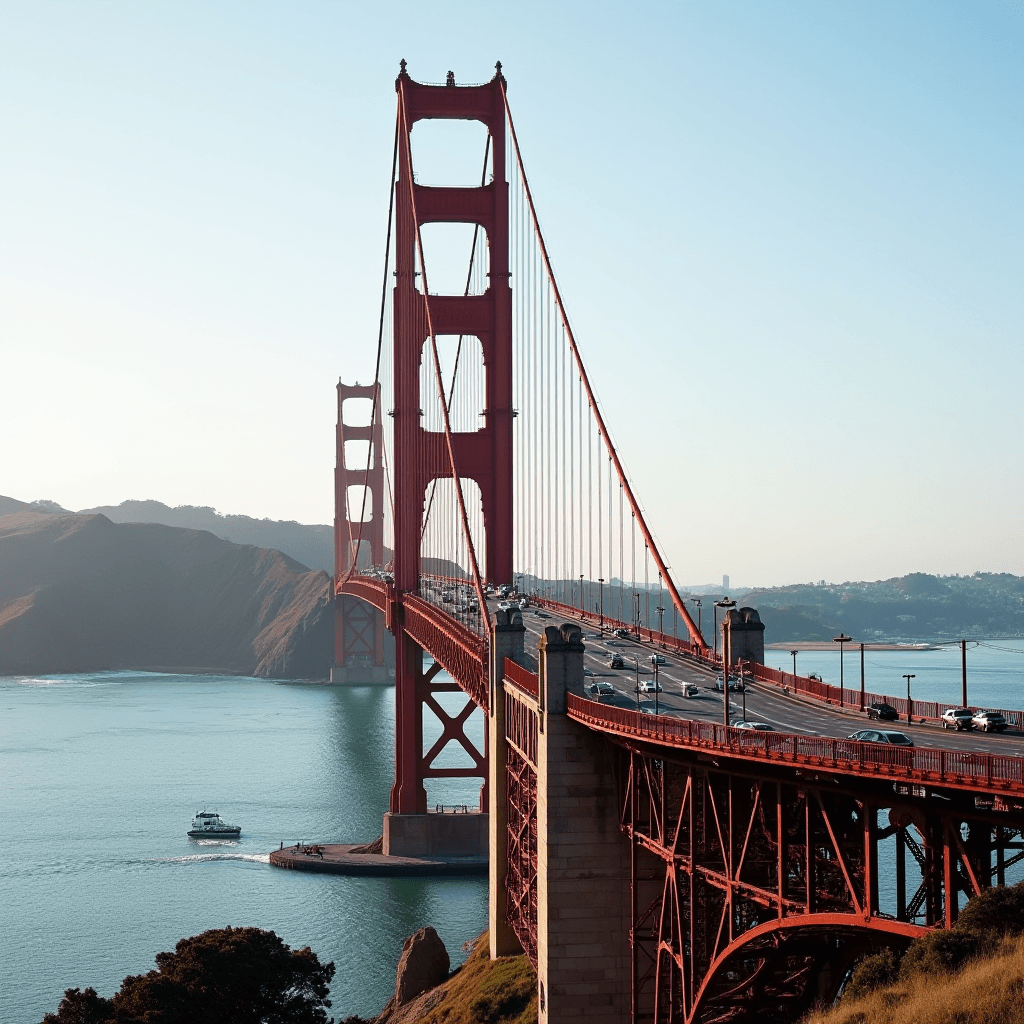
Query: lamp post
{"type": "Point", "coordinates": [636, 661]}
{"type": "Point", "coordinates": [862, 677]}
{"type": "Point", "coordinates": [910, 708]}
{"type": "Point", "coordinates": [696, 601]}
{"type": "Point", "coordinates": [724, 603]}
{"type": "Point", "coordinates": [601, 581]}
{"type": "Point", "coordinates": [841, 639]}
{"type": "Point", "coordinates": [581, 595]}
{"type": "Point", "coordinates": [963, 671]}
{"type": "Point", "coordinates": [743, 688]}
{"type": "Point", "coordinates": [661, 622]}
{"type": "Point", "coordinates": [794, 653]}
{"type": "Point", "coordinates": [656, 686]}
{"type": "Point", "coordinates": [636, 613]}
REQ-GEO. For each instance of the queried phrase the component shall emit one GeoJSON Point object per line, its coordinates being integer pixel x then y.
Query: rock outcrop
{"type": "Point", "coordinates": [424, 964]}
{"type": "Point", "coordinates": [79, 593]}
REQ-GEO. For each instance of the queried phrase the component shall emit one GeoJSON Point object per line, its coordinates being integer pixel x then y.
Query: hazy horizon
{"type": "Point", "coordinates": [788, 237]}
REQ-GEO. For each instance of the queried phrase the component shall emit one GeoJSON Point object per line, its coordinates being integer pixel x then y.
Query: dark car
{"type": "Point", "coordinates": [616, 661]}
{"type": "Point", "coordinates": [880, 711]}
{"type": "Point", "coordinates": [622, 634]}
{"type": "Point", "coordinates": [896, 739]}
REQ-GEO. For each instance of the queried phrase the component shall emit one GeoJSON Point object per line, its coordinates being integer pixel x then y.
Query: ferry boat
{"type": "Point", "coordinates": [207, 825]}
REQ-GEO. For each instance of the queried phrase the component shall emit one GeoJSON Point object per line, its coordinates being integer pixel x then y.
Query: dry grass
{"type": "Point", "coordinates": [986, 991]}
{"type": "Point", "coordinates": [482, 991]}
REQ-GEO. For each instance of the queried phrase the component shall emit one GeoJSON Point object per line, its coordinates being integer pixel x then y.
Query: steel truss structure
{"type": "Point", "coordinates": [755, 891]}
{"type": "Point", "coordinates": [521, 735]}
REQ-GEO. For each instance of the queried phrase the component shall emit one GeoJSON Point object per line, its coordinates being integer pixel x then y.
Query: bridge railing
{"type": "Point", "coordinates": [521, 677]}
{"type": "Point", "coordinates": [847, 697]}
{"type": "Point", "coordinates": [961, 769]}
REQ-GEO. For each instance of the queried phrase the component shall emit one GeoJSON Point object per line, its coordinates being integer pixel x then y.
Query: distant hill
{"type": "Point", "coordinates": [916, 606]}
{"type": "Point", "coordinates": [313, 546]}
{"type": "Point", "coordinates": [82, 593]}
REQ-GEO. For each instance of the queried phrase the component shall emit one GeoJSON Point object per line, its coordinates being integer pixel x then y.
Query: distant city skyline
{"type": "Point", "coordinates": [788, 237]}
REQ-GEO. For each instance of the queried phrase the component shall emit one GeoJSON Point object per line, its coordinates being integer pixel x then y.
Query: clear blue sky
{"type": "Point", "coordinates": [788, 234]}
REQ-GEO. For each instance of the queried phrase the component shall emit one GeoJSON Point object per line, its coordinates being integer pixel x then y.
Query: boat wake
{"type": "Point", "coordinates": [201, 858]}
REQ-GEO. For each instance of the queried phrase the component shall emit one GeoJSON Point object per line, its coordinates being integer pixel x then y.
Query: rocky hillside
{"type": "Point", "coordinates": [81, 593]}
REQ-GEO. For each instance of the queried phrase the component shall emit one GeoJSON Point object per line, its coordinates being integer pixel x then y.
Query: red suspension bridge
{"type": "Point", "coordinates": [659, 867]}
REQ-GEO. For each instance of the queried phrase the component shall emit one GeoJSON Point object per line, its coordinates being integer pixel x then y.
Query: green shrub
{"type": "Point", "coordinates": [939, 952]}
{"type": "Point", "coordinates": [994, 914]}
{"type": "Point", "coordinates": [873, 972]}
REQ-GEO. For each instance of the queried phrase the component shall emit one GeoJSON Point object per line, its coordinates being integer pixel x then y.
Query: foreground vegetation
{"type": "Point", "coordinates": [223, 976]}
{"type": "Point", "coordinates": [971, 974]}
{"type": "Point", "coordinates": [481, 991]}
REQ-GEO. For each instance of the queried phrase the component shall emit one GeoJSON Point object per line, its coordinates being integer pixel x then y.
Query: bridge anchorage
{"type": "Point", "coordinates": [653, 867]}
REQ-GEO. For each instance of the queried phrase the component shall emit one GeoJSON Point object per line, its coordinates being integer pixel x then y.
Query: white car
{"type": "Point", "coordinates": [957, 718]}
{"type": "Point", "coordinates": [650, 686]}
{"type": "Point", "coordinates": [757, 726]}
{"type": "Point", "coordinates": [658, 659]}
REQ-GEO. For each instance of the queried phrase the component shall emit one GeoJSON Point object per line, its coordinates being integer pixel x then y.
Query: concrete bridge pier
{"type": "Point", "coordinates": [584, 908]}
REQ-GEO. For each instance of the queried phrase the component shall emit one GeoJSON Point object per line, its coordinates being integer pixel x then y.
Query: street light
{"type": "Point", "coordinates": [636, 661]}
{"type": "Point", "coordinates": [910, 708]}
{"type": "Point", "coordinates": [743, 688]}
{"type": "Point", "coordinates": [724, 603]}
{"type": "Point", "coordinates": [963, 668]}
{"type": "Point", "coordinates": [841, 639]}
{"type": "Point", "coordinates": [661, 623]}
{"type": "Point", "coordinates": [794, 653]}
{"type": "Point", "coordinates": [696, 601]}
{"type": "Point", "coordinates": [581, 595]}
{"type": "Point", "coordinates": [636, 613]}
{"type": "Point", "coordinates": [601, 581]}
{"type": "Point", "coordinates": [656, 685]}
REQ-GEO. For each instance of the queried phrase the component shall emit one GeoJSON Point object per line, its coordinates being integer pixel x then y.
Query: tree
{"type": "Point", "coordinates": [222, 976]}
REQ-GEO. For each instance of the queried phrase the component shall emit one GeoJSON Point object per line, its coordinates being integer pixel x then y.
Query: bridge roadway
{"type": "Point", "coordinates": [764, 703]}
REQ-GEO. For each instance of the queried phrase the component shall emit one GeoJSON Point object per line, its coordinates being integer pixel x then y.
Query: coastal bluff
{"type": "Point", "coordinates": [79, 593]}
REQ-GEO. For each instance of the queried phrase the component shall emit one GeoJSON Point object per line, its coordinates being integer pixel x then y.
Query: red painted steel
{"type": "Point", "coordinates": [753, 895]}
{"type": "Point", "coordinates": [521, 734]}
{"type": "Point", "coordinates": [521, 677]}
{"type": "Point", "coordinates": [356, 633]}
{"type": "Point", "coordinates": [420, 457]}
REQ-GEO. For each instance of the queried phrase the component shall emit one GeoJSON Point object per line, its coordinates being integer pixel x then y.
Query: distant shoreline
{"type": "Point", "coordinates": [831, 645]}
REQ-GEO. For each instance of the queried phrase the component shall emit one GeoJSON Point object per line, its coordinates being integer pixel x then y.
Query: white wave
{"type": "Point", "coordinates": [199, 858]}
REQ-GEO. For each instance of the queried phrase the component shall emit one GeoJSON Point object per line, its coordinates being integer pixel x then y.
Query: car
{"type": "Point", "coordinates": [601, 689]}
{"type": "Point", "coordinates": [650, 686]}
{"type": "Point", "coordinates": [689, 690]}
{"type": "Point", "coordinates": [958, 718]}
{"type": "Point", "coordinates": [646, 709]}
{"type": "Point", "coordinates": [542, 615]}
{"type": "Point", "coordinates": [896, 739]}
{"type": "Point", "coordinates": [504, 590]}
{"type": "Point", "coordinates": [616, 661]}
{"type": "Point", "coordinates": [814, 675]}
{"type": "Point", "coordinates": [623, 634]}
{"type": "Point", "coordinates": [757, 726]}
{"type": "Point", "coordinates": [658, 659]}
{"type": "Point", "coordinates": [524, 602]}
{"type": "Point", "coordinates": [735, 685]}
{"type": "Point", "coordinates": [880, 711]}
{"type": "Point", "coordinates": [588, 672]}
{"type": "Point", "coordinates": [989, 721]}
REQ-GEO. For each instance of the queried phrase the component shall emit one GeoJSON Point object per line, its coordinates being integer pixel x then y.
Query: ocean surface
{"type": "Point", "coordinates": [995, 671]}
{"type": "Point", "coordinates": [100, 776]}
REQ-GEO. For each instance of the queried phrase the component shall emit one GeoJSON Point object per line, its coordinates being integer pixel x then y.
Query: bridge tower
{"type": "Point", "coordinates": [358, 540]}
{"type": "Point", "coordinates": [421, 456]}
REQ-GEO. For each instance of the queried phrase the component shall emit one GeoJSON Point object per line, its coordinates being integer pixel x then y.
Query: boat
{"type": "Point", "coordinates": [207, 825]}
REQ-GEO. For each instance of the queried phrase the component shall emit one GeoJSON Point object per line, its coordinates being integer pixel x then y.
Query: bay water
{"type": "Point", "coordinates": [100, 776]}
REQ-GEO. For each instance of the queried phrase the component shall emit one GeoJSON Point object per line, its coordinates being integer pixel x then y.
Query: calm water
{"type": "Point", "coordinates": [99, 778]}
{"type": "Point", "coordinates": [995, 671]}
